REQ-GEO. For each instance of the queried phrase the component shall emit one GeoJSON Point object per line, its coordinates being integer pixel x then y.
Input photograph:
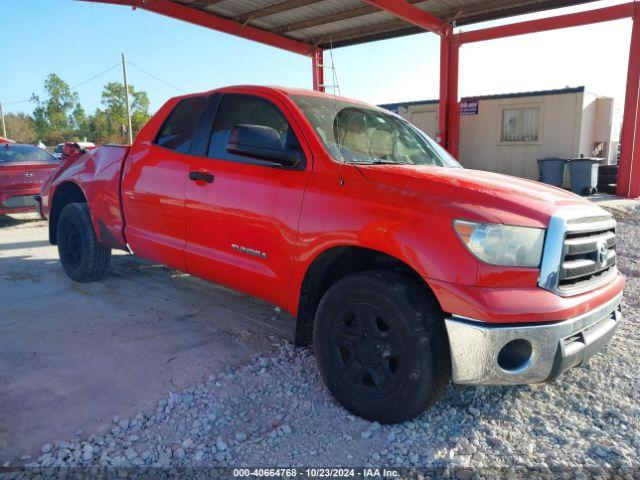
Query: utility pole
{"type": "Point", "coordinates": [4, 128]}
{"type": "Point", "coordinates": [126, 99]}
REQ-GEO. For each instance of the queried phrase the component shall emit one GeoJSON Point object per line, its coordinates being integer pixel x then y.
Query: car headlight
{"type": "Point", "coordinates": [502, 244]}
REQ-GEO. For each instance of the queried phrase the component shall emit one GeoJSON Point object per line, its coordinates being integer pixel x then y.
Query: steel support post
{"type": "Point", "coordinates": [629, 170]}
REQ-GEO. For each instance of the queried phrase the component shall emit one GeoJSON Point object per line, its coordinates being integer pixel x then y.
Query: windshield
{"type": "Point", "coordinates": [24, 154]}
{"type": "Point", "coordinates": [357, 133]}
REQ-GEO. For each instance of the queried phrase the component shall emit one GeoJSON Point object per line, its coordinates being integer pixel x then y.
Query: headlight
{"type": "Point", "coordinates": [502, 244]}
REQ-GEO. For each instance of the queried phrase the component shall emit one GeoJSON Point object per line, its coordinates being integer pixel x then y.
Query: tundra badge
{"type": "Point", "coordinates": [249, 251]}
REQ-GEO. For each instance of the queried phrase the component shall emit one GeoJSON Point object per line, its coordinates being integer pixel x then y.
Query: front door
{"type": "Point", "coordinates": [242, 212]}
{"type": "Point", "coordinates": [154, 187]}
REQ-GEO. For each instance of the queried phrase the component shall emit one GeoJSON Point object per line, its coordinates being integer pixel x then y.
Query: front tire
{"type": "Point", "coordinates": [381, 346]}
{"type": "Point", "coordinates": [82, 257]}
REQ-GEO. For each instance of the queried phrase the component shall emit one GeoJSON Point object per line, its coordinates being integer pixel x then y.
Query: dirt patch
{"type": "Point", "coordinates": [74, 355]}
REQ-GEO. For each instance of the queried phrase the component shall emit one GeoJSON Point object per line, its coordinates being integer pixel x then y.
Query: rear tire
{"type": "Point", "coordinates": [82, 257]}
{"type": "Point", "coordinates": [381, 346]}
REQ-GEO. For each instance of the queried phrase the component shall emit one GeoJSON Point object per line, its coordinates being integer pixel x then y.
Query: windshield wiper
{"type": "Point", "coordinates": [388, 162]}
{"type": "Point", "coordinates": [377, 161]}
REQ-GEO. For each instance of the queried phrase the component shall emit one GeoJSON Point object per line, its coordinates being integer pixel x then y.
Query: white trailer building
{"type": "Point", "coordinates": [508, 133]}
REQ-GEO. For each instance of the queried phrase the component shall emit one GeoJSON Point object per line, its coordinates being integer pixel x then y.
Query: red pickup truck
{"type": "Point", "coordinates": [402, 269]}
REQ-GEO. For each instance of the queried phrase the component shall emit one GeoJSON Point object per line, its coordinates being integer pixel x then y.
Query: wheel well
{"type": "Point", "coordinates": [65, 194]}
{"type": "Point", "coordinates": [331, 266]}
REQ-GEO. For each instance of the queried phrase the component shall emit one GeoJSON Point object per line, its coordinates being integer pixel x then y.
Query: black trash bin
{"type": "Point", "coordinates": [552, 170]}
{"type": "Point", "coordinates": [584, 175]}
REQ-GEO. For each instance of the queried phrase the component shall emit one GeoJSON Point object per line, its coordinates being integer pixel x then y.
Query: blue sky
{"type": "Point", "coordinates": [79, 40]}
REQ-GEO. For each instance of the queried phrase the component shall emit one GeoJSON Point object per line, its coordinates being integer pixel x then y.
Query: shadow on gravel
{"type": "Point", "coordinates": [19, 219]}
{"type": "Point", "coordinates": [32, 244]}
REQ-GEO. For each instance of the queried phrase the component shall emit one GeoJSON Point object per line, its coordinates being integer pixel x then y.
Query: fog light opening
{"type": "Point", "coordinates": [515, 356]}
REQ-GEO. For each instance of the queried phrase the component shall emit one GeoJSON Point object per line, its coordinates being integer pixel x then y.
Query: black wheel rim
{"type": "Point", "coordinates": [71, 245]}
{"type": "Point", "coordinates": [366, 351]}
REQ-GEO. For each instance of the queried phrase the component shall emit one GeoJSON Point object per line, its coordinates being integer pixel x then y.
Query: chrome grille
{"type": "Point", "coordinates": [587, 257]}
{"type": "Point", "coordinates": [579, 252]}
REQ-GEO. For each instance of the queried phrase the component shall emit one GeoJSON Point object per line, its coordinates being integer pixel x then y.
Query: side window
{"type": "Point", "coordinates": [245, 110]}
{"type": "Point", "coordinates": [177, 131]}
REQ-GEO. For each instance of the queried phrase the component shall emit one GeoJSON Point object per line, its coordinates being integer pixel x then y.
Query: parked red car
{"type": "Point", "coordinates": [404, 270]}
{"type": "Point", "coordinates": [23, 170]}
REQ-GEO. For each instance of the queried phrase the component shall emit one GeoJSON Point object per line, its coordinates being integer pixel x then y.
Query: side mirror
{"type": "Point", "coordinates": [259, 141]}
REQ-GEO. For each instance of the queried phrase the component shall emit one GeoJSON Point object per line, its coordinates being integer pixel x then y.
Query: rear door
{"type": "Point", "coordinates": [242, 212]}
{"type": "Point", "coordinates": [154, 187]}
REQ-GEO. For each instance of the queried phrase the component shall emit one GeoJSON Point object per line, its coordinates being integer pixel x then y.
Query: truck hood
{"type": "Point", "coordinates": [482, 195]}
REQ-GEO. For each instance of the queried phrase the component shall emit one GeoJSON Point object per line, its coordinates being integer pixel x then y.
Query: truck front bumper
{"type": "Point", "coordinates": [498, 354]}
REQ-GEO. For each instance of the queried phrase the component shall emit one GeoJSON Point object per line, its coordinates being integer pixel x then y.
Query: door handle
{"type": "Point", "coordinates": [201, 176]}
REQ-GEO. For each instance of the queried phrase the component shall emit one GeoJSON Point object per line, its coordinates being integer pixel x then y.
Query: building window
{"type": "Point", "coordinates": [520, 124]}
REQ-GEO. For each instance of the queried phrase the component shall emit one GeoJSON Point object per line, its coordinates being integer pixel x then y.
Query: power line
{"type": "Point", "coordinates": [84, 82]}
{"type": "Point", "coordinates": [156, 78]}
{"type": "Point", "coordinates": [95, 76]}
{"type": "Point", "coordinates": [18, 101]}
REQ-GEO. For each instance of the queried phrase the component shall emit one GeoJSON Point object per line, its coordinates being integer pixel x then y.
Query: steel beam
{"type": "Point", "coordinates": [326, 19]}
{"type": "Point", "coordinates": [453, 107]}
{"type": "Point", "coordinates": [215, 22]}
{"type": "Point", "coordinates": [201, 3]}
{"type": "Point", "coordinates": [317, 62]}
{"type": "Point", "coordinates": [629, 165]}
{"type": "Point", "coordinates": [598, 15]}
{"type": "Point", "coordinates": [331, 18]}
{"type": "Point", "coordinates": [449, 109]}
{"type": "Point", "coordinates": [441, 136]}
{"type": "Point", "coordinates": [273, 9]}
{"type": "Point", "coordinates": [411, 14]}
{"type": "Point", "coordinates": [334, 38]}
{"type": "Point", "coordinates": [495, 10]}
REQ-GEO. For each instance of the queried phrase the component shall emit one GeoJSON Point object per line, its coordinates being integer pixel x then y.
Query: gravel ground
{"type": "Point", "coordinates": [275, 411]}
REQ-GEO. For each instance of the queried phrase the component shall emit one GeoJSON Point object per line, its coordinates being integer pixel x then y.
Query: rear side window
{"type": "Point", "coordinates": [177, 131]}
{"type": "Point", "coordinates": [244, 109]}
{"type": "Point", "coordinates": [24, 154]}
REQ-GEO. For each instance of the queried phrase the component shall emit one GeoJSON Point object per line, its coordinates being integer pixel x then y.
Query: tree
{"type": "Point", "coordinates": [59, 116]}
{"type": "Point", "coordinates": [98, 129]}
{"type": "Point", "coordinates": [20, 127]}
{"type": "Point", "coordinates": [80, 122]}
{"type": "Point", "coordinates": [115, 109]}
{"type": "Point", "coordinates": [52, 115]}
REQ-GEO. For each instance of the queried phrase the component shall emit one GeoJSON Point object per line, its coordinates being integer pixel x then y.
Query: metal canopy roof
{"type": "Point", "coordinates": [308, 27]}
{"type": "Point", "coordinates": [326, 23]}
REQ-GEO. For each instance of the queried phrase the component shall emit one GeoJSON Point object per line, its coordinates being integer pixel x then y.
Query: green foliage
{"type": "Point", "coordinates": [80, 122]}
{"type": "Point", "coordinates": [114, 122]}
{"type": "Point", "coordinates": [58, 115]}
{"type": "Point", "coordinates": [52, 115]}
{"type": "Point", "coordinates": [20, 127]}
{"type": "Point", "coordinates": [98, 129]}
